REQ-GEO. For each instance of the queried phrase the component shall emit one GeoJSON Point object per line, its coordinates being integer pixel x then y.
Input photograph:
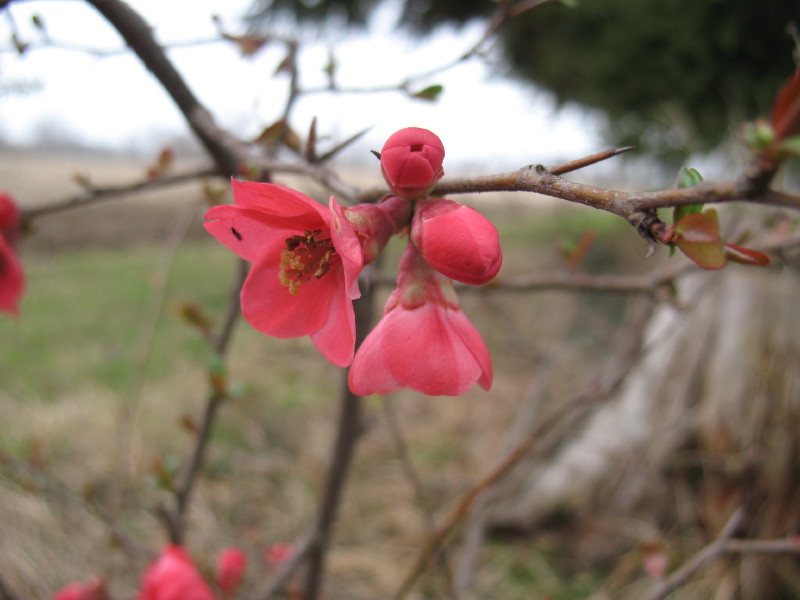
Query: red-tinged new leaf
{"type": "Point", "coordinates": [699, 227]}
{"type": "Point", "coordinates": [697, 236]}
{"type": "Point", "coordinates": [786, 110]}
{"type": "Point", "coordinates": [747, 256]}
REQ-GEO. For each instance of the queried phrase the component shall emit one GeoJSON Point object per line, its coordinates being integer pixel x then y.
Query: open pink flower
{"type": "Point", "coordinates": [12, 278]}
{"type": "Point", "coordinates": [173, 576]}
{"type": "Point", "coordinates": [456, 240]}
{"type": "Point", "coordinates": [423, 341]}
{"type": "Point", "coordinates": [306, 261]}
{"type": "Point", "coordinates": [411, 161]}
{"type": "Point", "coordinates": [230, 570]}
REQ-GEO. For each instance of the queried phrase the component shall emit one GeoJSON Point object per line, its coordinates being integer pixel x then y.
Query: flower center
{"type": "Point", "coordinates": [304, 257]}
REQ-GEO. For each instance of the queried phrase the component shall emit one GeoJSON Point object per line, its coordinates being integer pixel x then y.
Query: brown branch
{"type": "Point", "coordinates": [638, 208]}
{"type": "Point", "coordinates": [175, 517]}
{"type": "Point", "coordinates": [96, 195]}
{"type": "Point", "coordinates": [347, 433]}
{"type": "Point", "coordinates": [228, 153]}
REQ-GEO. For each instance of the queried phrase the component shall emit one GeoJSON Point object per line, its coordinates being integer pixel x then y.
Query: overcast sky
{"type": "Point", "coordinates": [113, 101]}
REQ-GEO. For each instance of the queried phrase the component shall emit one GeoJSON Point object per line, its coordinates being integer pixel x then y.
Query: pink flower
{"type": "Point", "coordinates": [230, 569]}
{"type": "Point", "coordinates": [306, 261]}
{"type": "Point", "coordinates": [173, 576]}
{"type": "Point", "coordinates": [456, 240]}
{"type": "Point", "coordinates": [423, 341]}
{"type": "Point", "coordinates": [12, 278]}
{"type": "Point", "coordinates": [94, 589]}
{"type": "Point", "coordinates": [411, 162]}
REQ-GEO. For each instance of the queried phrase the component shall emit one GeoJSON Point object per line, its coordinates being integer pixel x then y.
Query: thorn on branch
{"type": "Point", "coordinates": [586, 161]}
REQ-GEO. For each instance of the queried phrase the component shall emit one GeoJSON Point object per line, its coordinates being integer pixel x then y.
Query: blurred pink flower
{"type": "Point", "coordinates": [230, 569]}
{"type": "Point", "coordinates": [94, 589]}
{"type": "Point", "coordinates": [411, 162]}
{"type": "Point", "coordinates": [423, 342]}
{"type": "Point", "coordinates": [12, 278]}
{"type": "Point", "coordinates": [277, 554]}
{"type": "Point", "coordinates": [456, 240]}
{"type": "Point", "coordinates": [306, 261]}
{"type": "Point", "coordinates": [173, 576]}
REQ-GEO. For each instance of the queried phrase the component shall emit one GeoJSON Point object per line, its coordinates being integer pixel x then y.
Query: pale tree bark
{"type": "Point", "coordinates": [707, 421]}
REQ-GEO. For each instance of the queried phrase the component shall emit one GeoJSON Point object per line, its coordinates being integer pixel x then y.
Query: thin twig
{"type": "Point", "coordinates": [61, 496]}
{"type": "Point", "coordinates": [580, 163]}
{"type": "Point", "coordinates": [420, 495]}
{"type": "Point", "coordinates": [577, 405]}
{"type": "Point", "coordinates": [95, 195]}
{"type": "Point", "coordinates": [696, 562]}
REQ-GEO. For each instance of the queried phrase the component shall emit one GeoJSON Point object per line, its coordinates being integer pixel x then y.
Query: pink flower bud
{"type": "Point", "coordinates": [411, 162]}
{"type": "Point", "coordinates": [456, 240]}
{"type": "Point", "coordinates": [94, 589]}
{"type": "Point", "coordinates": [173, 576]}
{"type": "Point", "coordinates": [9, 213]}
{"type": "Point", "coordinates": [12, 278]}
{"type": "Point", "coordinates": [230, 569]}
{"type": "Point", "coordinates": [424, 341]}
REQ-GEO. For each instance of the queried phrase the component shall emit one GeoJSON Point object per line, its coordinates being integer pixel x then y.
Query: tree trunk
{"type": "Point", "coordinates": [707, 421]}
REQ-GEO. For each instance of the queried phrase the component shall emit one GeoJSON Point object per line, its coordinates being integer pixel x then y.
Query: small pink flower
{"type": "Point", "coordinates": [456, 240]}
{"type": "Point", "coordinates": [306, 261]}
{"type": "Point", "coordinates": [277, 554]}
{"type": "Point", "coordinates": [230, 569]}
{"type": "Point", "coordinates": [173, 576]}
{"type": "Point", "coordinates": [12, 278]}
{"type": "Point", "coordinates": [423, 341]}
{"type": "Point", "coordinates": [94, 589]}
{"type": "Point", "coordinates": [411, 162]}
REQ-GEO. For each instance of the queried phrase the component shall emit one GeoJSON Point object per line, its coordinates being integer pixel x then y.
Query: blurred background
{"type": "Point", "coordinates": [102, 380]}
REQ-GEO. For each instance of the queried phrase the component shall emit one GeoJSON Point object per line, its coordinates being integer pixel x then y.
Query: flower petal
{"type": "Point", "coordinates": [271, 198]}
{"type": "Point", "coordinates": [336, 339]}
{"type": "Point", "coordinates": [249, 232]}
{"type": "Point", "coordinates": [447, 366]}
{"type": "Point", "coordinates": [269, 307]}
{"type": "Point", "coordinates": [12, 279]}
{"type": "Point", "coordinates": [368, 373]}
{"type": "Point", "coordinates": [348, 247]}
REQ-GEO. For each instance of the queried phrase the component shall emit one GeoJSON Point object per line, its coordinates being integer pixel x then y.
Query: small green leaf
{"type": "Point", "coordinates": [757, 135]}
{"type": "Point", "coordinates": [430, 93]}
{"type": "Point", "coordinates": [791, 146]}
{"type": "Point", "coordinates": [687, 177]}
